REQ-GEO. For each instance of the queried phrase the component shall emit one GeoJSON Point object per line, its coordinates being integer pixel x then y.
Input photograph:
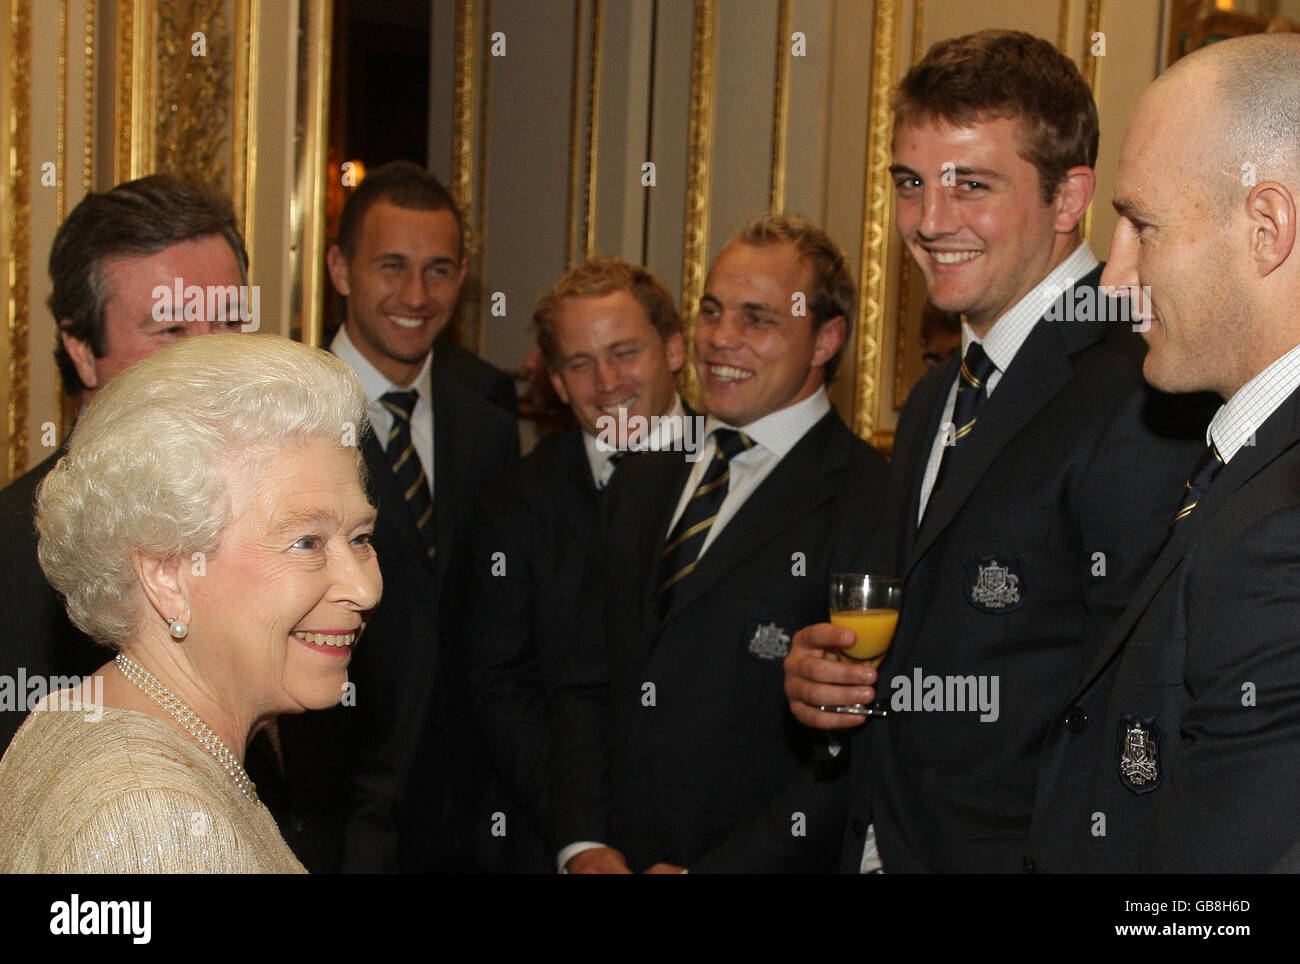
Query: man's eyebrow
{"type": "Point", "coordinates": [984, 172]}
{"type": "Point", "coordinates": [1128, 209]}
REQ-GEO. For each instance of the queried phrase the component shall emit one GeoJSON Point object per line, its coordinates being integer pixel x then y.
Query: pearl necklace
{"type": "Point", "coordinates": [190, 721]}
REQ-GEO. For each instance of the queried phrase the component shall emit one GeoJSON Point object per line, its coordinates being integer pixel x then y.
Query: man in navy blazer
{"type": "Point", "coordinates": [1033, 474]}
{"type": "Point", "coordinates": [1179, 750]}
{"type": "Point", "coordinates": [382, 782]}
{"type": "Point", "coordinates": [673, 744]}
{"type": "Point", "coordinates": [612, 340]}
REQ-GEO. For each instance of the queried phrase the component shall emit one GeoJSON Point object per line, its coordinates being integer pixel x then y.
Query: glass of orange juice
{"type": "Point", "coordinates": [869, 606]}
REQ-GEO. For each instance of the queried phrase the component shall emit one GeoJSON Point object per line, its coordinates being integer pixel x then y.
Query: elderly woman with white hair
{"type": "Point", "coordinates": [210, 525]}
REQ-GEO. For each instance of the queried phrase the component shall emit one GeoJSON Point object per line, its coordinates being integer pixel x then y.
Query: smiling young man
{"type": "Point", "coordinates": [109, 256]}
{"type": "Point", "coordinates": [673, 744]}
{"type": "Point", "coordinates": [612, 338]}
{"type": "Point", "coordinates": [1184, 755]}
{"type": "Point", "coordinates": [1033, 475]}
{"type": "Point", "coordinates": [381, 785]}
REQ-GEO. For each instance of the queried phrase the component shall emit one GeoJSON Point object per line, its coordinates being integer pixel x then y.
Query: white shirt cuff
{"type": "Point", "coordinates": [571, 851]}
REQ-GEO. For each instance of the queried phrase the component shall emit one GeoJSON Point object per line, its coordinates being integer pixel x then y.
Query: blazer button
{"type": "Point", "coordinates": [1076, 719]}
{"type": "Point", "coordinates": [858, 827]}
{"type": "Point", "coordinates": [1029, 864]}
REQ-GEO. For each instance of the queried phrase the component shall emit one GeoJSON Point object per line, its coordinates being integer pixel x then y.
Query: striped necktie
{"type": "Point", "coordinates": [1210, 465]}
{"type": "Point", "coordinates": [683, 549]}
{"type": "Point", "coordinates": [972, 393]}
{"type": "Point", "coordinates": [406, 465]}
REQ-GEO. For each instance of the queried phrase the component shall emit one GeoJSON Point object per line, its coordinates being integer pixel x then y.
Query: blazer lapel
{"type": "Point", "coordinates": [1279, 432]}
{"type": "Point", "coordinates": [664, 492]}
{"type": "Point", "coordinates": [1040, 369]}
{"type": "Point", "coordinates": [388, 495]}
{"type": "Point", "coordinates": [449, 451]}
{"type": "Point", "coordinates": [574, 492]}
{"type": "Point", "coordinates": [796, 487]}
{"type": "Point", "coordinates": [911, 464]}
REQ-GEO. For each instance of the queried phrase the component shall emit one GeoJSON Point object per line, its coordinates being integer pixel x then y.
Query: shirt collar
{"type": "Point", "coordinates": [373, 381]}
{"type": "Point", "coordinates": [781, 430]}
{"type": "Point", "coordinates": [670, 428]}
{"type": "Point", "coordinates": [1235, 423]}
{"type": "Point", "coordinates": [1009, 332]}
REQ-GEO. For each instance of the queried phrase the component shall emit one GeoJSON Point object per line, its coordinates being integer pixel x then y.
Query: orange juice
{"type": "Point", "coordinates": [874, 628]}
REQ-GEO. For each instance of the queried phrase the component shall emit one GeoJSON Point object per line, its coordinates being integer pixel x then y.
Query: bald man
{"type": "Point", "coordinates": [1180, 751]}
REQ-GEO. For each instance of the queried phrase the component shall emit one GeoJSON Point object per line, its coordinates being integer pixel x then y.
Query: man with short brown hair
{"type": "Point", "coordinates": [1033, 475]}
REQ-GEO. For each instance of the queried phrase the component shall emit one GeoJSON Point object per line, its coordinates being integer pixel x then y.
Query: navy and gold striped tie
{"type": "Point", "coordinates": [406, 465]}
{"type": "Point", "coordinates": [972, 393]}
{"type": "Point", "coordinates": [1209, 466]}
{"type": "Point", "coordinates": [683, 549]}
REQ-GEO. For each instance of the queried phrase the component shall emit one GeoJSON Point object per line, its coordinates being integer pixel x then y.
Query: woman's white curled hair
{"type": "Point", "coordinates": [143, 469]}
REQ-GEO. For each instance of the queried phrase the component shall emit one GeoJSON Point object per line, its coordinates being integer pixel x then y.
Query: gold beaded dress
{"type": "Point", "coordinates": [89, 789]}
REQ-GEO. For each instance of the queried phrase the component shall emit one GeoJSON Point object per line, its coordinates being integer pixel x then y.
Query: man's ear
{"type": "Point", "coordinates": [1271, 212]}
{"type": "Point", "coordinates": [82, 356]}
{"type": "Point", "coordinates": [1073, 195]}
{"type": "Point", "coordinates": [337, 263]}
{"type": "Point", "coordinates": [163, 585]}
{"type": "Point", "coordinates": [829, 338]}
{"type": "Point", "coordinates": [675, 351]}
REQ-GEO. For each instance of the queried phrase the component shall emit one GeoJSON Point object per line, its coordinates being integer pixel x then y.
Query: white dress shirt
{"type": "Point", "coordinates": [1001, 344]}
{"type": "Point", "coordinates": [773, 436]}
{"type": "Point", "coordinates": [1234, 424]}
{"type": "Point", "coordinates": [377, 384]}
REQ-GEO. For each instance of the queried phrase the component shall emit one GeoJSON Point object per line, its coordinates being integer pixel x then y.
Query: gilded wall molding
{"type": "Point", "coordinates": [475, 300]}
{"type": "Point", "coordinates": [468, 139]}
{"type": "Point", "coordinates": [316, 16]}
{"type": "Point", "coordinates": [135, 85]}
{"type": "Point", "coordinates": [88, 147]}
{"type": "Point", "coordinates": [906, 294]}
{"type": "Point", "coordinates": [575, 132]}
{"type": "Point", "coordinates": [15, 203]}
{"type": "Point", "coordinates": [1091, 25]}
{"type": "Point", "coordinates": [243, 160]}
{"type": "Point", "coordinates": [878, 216]}
{"type": "Point", "coordinates": [593, 129]}
{"type": "Point", "coordinates": [695, 247]}
{"type": "Point", "coordinates": [780, 106]}
{"type": "Point", "coordinates": [193, 92]}
{"type": "Point", "coordinates": [584, 129]}
{"type": "Point", "coordinates": [61, 118]}
{"type": "Point", "coordinates": [1063, 27]}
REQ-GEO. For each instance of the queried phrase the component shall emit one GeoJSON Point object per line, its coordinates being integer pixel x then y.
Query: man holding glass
{"type": "Point", "coordinates": [674, 748]}
{"type": "Point", "coordinates": [1034, 475]}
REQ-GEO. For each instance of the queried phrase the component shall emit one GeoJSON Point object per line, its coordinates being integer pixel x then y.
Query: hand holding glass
{"type": "Point", "coordinates": [869, 606]}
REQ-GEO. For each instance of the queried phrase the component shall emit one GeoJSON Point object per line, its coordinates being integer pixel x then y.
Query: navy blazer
{"type": "Point", "coordinates": [678, 745]}
{"type": "Point", "coordinates": [1180, 749]}
{"type": "Point", "coordinates": [1050, 514]}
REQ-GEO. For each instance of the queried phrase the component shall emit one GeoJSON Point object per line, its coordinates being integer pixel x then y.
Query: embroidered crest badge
{"type": "Point", "coordinates": [995, 586]}
{"type": "Point", "coordinates": [767, 641]}
{"type": "Point", "coordinates": [1139, 748]}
